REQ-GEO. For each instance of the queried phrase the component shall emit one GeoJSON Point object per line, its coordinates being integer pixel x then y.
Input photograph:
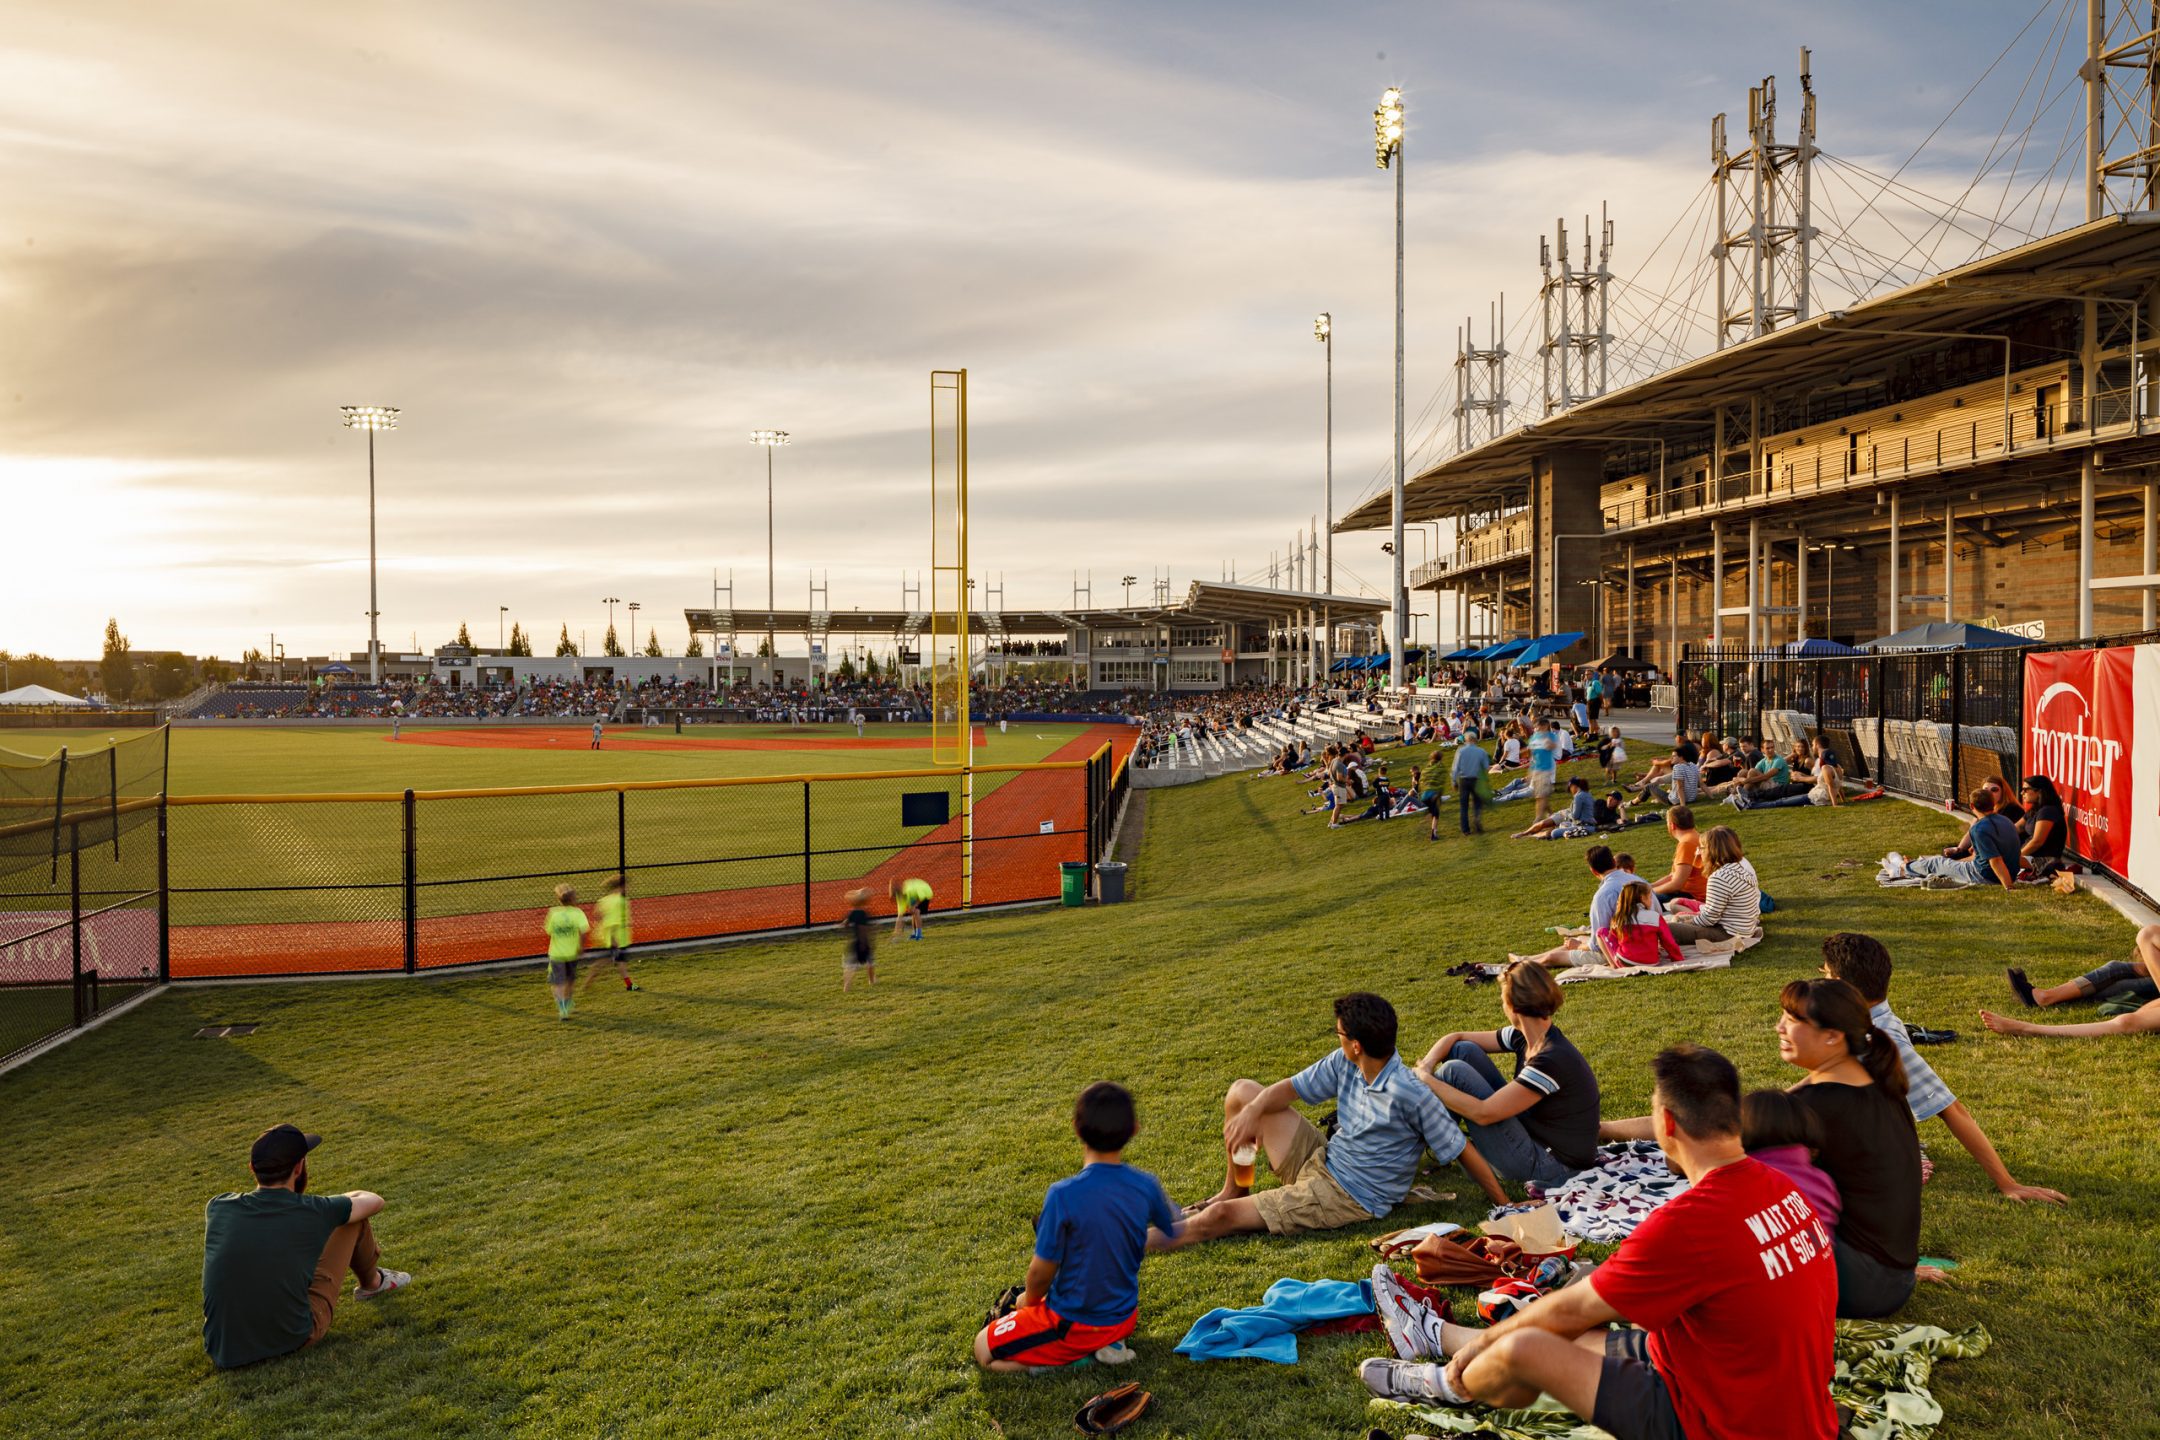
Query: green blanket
{"type": "Point", "coordinates": [1882, 1377]}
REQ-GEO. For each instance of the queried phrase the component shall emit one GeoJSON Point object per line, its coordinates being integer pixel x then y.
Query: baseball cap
{"type": "Point", "coordinates": [280, 1148]}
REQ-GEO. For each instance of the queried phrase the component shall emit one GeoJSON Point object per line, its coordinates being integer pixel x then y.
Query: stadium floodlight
{"type": "Point", "coordinates": [611, 601]}
{"type": "Point", "coordinates": [1388, 155]}
{"type": "Point", "coordinates": [1323, 329]}
{"type": "Point", "coordinates": [371, 418]}
{"type": "Point", "coordinates": [634, 608]}
{"type": "Point", "coordinates": [771, 440]}
{"type": "Point", "coordinates": [1128, 582]}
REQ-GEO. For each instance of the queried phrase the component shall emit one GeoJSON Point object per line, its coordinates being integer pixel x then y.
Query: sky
{"type": "Point", "coordinates": [588, 248]}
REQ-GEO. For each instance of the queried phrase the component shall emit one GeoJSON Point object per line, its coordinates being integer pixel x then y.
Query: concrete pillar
{"type": "Point", "coordinates": [1567, 518]}
{"type": "Point", "coordinates": [1895, 538]}
{"type": "Point", "coordinates": [1949, 562]}
{"type": "Point", "coordinates": [1754, 583]}
{"type": "Point", "coordinates": [1800, 587]}
{"type": "Point", "coordinates": [1717, 582]}
{"type": "Point", "coordinates": [1631, 592]}
{"type": "Point", "coordinates": [2152, 550]}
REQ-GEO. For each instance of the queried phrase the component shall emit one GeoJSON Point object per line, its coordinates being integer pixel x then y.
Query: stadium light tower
{"type": "Point", "coordinates": [371, 418]}
{"type": "Point", "coordinates": [1323, 329]}
{"type": "Point", "coordinates": [500, 612]}
{"type": "Point", "coordinates": [634, 608]}
{"type": "Point", "coordinates": [771, 440]}
{"type": "Point", "coordinates": [611, 601]}
{"type": "Point", "coordinates": [1388, 155]}
{"type": "Point", "coordinates": [1128, 582]}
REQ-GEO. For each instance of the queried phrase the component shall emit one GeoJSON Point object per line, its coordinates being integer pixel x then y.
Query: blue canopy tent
{"type": "Point", "coordinates": [335, 667]}
{"type": "Point", "coordinates": [1945, 635]}
{"type": "Point", "coordinates": [1468, 652]}
{"type": "Point", "coordinates": [1346, 663]}
{"type": "Point", "coordinates": [1502, 651]}
{"type": "Point", "coordinates": [1546, 646]}
{"type": "Point", "coordinates": [1815, 648]}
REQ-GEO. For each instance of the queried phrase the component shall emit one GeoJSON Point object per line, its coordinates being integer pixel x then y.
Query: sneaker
{"type": "Point", "coordinates": [1117, 1354]}
{"type": "Point", "coordinates": [1418, 1383]}
{"type": "Point", "coordinates": [385, 1282]}
{"type": "Point", "coordinates": [1412, 1327]}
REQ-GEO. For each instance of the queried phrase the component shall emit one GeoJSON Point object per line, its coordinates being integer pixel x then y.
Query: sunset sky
{"type": "Point", "coordinates": [588, 248]}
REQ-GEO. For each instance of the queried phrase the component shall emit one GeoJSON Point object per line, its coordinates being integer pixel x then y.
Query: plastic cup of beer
{"type": "Point", "coordinates": [1241, 1164]}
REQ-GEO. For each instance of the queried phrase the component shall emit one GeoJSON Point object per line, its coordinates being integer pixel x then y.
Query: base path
{"type": "Point", "coordinates": [635, 737]}
{"type": "Point", "coordinates": [1015, 859]}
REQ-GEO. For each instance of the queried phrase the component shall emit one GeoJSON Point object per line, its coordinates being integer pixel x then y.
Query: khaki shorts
{"type": "Point", "coordinates": [1541, 782]}
{"type": "Point", "coordinates": [1309, 1197]}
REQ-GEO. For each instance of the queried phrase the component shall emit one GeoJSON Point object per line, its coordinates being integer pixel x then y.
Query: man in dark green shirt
{"type": "Point", "coordinates": [274, 1259]}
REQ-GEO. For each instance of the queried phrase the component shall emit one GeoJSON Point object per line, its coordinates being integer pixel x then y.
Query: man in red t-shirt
{"type": "Point", "coordinates": [1733, 1282]}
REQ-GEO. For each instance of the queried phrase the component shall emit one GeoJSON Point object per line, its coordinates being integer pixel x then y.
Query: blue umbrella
{"type": "Point", "coordinates": [1945, 635]}
{"type": "Point", "coordinates": [1815, 648]}
{"type": "Point", "coordinates": [1546, 646]}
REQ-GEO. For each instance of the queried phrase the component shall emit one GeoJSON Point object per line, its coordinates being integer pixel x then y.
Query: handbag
{"type": "Point", "coordinates": [1460, 1259]}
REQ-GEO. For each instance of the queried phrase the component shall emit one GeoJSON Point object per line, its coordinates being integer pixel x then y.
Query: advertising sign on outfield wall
{"type": "Point", "coordinates": [2092, 725]}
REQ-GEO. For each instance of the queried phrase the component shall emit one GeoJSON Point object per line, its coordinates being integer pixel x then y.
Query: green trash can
{"type": "Point", "coordinates": [1110, 882]}
{"type": "Point", "coordinates": [1074, 873]}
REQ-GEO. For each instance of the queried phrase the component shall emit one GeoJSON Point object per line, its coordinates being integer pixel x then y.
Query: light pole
{"type": "Point", "coordinates": [1324, 331]}
{"type": "Point", "coordinates": [611, 601]}
{"type": "Point", "coordinates": [371, 418]}
{"type": "Point", "coordinates": [771, 440]}
{"type": "Point", "coordinates": [1128, 582]}
{"type": "Point", "coordinates": [1388, 154]}
{"type": "Point", "coordinates": [634, 608]}
{"type": "Point", "coordinates": [500, 612]}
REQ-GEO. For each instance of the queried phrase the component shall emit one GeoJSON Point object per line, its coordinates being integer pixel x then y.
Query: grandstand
{"type": "Point", "coordinates": [1976, 441]}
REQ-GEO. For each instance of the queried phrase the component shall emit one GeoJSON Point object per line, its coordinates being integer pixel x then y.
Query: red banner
{"type": "Point", "coordinates": [2079, 725]}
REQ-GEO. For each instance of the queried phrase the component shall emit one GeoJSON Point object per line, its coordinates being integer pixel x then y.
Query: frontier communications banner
{"type": "Point", "coordinates": [2092, 725]}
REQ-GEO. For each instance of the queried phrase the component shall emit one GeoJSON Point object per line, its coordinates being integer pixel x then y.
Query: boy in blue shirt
{"type": "Point", "coordinates": [1082, 1295]}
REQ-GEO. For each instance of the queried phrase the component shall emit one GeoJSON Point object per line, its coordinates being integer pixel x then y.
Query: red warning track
{"type": "Point", "coordinates": [631, 737]}
{"type": "Point", "coordinates": [1014, 860]}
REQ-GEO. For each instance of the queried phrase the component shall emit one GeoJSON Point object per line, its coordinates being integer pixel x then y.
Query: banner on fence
{"type": "Point", "coordinates": [2092, 725]}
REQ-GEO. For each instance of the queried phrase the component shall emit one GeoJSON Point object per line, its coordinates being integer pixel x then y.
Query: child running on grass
{"type": "Point", "coordinates": [911, 901]}
{"type": "Point", "coordinates": [862, 943]}
{"type": "Point", "coordinates": [566, 927]}
{"type": "Point", "coordinates": [1082, 1296]}
{"type": "Point", "coordinates": [614, 912]}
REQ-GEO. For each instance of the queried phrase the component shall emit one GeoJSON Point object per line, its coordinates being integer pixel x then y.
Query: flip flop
{"type": "Point", "coordinates": [2021, 987]}
{"type": "Point", "coordinates": [1922, 1035]}
{"type": "Point", "coordinates": [1112, 1410]}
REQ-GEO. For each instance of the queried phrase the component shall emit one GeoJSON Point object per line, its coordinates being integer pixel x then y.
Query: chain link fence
{"type": "Point", "coordinates": [81, 899]}
{"type": "Point", "coordinates": [404, 882]}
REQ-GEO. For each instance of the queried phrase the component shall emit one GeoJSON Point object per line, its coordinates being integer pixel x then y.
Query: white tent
{"type": "Point", "coordinates": [38, 695]}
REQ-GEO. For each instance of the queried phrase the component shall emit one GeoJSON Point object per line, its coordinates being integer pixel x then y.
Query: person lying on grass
{"type": "Point", "coordinates": [1990, 850]}
{"type": "Point", "coordinates": [1385, 1119]}
{"type": "Point", "coordinates": [1540, 1126]}
{"type": "Point", "coordinates": [1082, 1293]}
{"type": "Point", "coordinates": [274, 1259]}
{"type": "Point", "coordinates": [1732, 1282]}
{"type": "Point", "coordinates": [1863, 962]}
{"type": "Point", "coordinates": [2117, 983]}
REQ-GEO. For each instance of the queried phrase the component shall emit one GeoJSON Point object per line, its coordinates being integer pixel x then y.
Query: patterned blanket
{"type": "Point", "coordinates": [1883, 1373]}
{"type": "Point", "coordinates": [1605, 1203]}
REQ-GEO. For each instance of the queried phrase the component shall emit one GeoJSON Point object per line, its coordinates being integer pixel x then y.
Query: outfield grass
{"type": "Point", "coordinates": [742, 1204]}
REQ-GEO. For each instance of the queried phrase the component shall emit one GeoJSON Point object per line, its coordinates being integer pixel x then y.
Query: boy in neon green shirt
{"type": "Point", "coordinates": [566, 927]}
{"type": "Point", "coordinates": [911, 901]}
{"type": "Point", "coordinates": [614, 934]}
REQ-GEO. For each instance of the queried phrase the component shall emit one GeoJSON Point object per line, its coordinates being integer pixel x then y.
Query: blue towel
{"type": "Point", "coordinates": [1268, 1331]}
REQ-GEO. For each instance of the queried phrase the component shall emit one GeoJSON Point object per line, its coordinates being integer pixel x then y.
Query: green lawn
{"type": "Point", "coordinates": [742, 1204]}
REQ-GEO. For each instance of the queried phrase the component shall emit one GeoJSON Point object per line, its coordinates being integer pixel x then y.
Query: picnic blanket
{"type": "Point", "coordinates": [1697, 959]}
{"type": "Point", "coordinates": [1883, 1374]}
{"type": "Point", "coordinates": [1605, 1203]}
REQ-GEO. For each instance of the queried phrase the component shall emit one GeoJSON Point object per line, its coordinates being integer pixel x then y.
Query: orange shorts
{"type": "Point", "coordinates": [1038, 1335]}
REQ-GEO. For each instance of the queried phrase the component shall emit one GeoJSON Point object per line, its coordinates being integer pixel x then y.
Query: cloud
{"type": "Point", "coordinates": [587, 249]}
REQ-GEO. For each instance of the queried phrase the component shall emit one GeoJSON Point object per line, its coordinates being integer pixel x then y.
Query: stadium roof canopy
{"type": "Point", "coordinates": [1208, 601]}
{"type": "Point", "coordinates": [2097, 260]}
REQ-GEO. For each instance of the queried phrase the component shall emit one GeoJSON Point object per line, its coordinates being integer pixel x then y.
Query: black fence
{"type": "Point", "coordinates": [82, 898]}
{"type": "Point", "coordinates": [1929, 724]}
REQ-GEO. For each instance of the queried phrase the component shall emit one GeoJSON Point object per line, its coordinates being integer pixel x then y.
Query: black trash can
{"type": "Point", "coordinates": [1110, 882]}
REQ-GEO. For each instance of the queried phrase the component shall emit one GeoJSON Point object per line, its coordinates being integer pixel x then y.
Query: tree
{"type": "Point", "coordinates": [251, 662]}
{"type": "Point", "coordinates": [116, 672]}
{"type": "Point", "coordinates": [652, 645]}
{"type": "Point", "coordinates": [566, 646]}
{"type": "Point", "coordinates": [609, 645]}
{"type": "Point", "coordinates": [464, 636]}
{"type": "Point", "coordinates": [170, 677]}
{"type": "Point", "coordinates": [764, 647]}
{"type": "Point", "coordinates": [847, 667]}
{"type": "Point", "coordinates": [33, 669]}
{"type": "Point", "coordinates": [520, 642]}
{"type": "Point", "coordinates": [696, 647]}
{"type": "Point", "coordinates": [870, 666]}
